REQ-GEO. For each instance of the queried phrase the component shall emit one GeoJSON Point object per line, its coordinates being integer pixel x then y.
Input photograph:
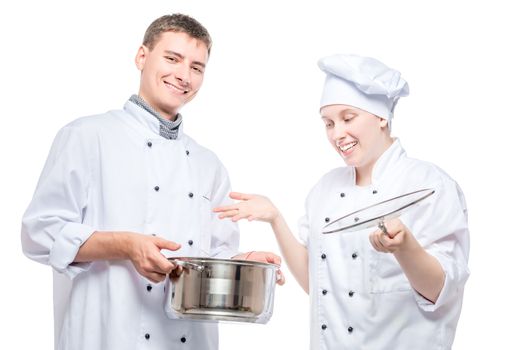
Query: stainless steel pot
{"type": "Point", "coordinates": [210, 289]}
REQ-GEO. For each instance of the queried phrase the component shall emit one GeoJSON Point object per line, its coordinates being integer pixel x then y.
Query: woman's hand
{"type": "Point", "coordinates": [250, 207]}
{"type": "Point", "coordinates": [423, 270]}
{"type": "Point", "coordinates": [392, 237]}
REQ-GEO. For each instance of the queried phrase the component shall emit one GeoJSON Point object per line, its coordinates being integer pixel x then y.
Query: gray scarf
{"type": "Point", "coordinates": [168, 128]}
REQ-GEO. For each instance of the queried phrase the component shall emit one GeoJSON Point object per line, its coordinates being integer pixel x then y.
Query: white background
{"type": "Point", "coordinates": [258, 110]}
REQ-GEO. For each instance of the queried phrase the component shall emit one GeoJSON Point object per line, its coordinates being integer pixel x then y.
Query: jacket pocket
{"type": "Point", "coordinates": [386, 275]}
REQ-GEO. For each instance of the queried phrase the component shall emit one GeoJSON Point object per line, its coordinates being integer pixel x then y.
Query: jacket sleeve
{"type": "Point", "coordinates": [304, 229]}
{"type": "Point", "coordinates": [52, 228]}
{"type": "Point", "coordinates": [442, 229]}
{"type": "Point", "coordinates": [224, 233]}
{"type": "Point", "coordinates": [314, 197]}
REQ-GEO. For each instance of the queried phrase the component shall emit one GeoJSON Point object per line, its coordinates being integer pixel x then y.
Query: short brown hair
{"type": "Point", "coordinates": [176, 23]}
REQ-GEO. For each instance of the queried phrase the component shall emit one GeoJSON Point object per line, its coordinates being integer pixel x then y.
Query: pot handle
{"type": "Point", "coordinates": [279, 277]}
{"type": "Point", "coordinates": [188, 264]}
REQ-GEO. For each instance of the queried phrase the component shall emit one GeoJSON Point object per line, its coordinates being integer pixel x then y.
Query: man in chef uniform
{"type": "Point", "coordinates": [122, 190]}
{"type": "Point", "coordinates": [398, 287]}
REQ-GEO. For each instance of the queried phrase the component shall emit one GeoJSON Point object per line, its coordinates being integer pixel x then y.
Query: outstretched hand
{"type": "Point", "coordinates": [250, 207]}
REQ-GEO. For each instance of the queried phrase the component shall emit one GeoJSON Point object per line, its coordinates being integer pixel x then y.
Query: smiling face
{"type": "Point", "coordinates": [172, 71]}
{"type": "Point", "coordinates": [358, 136]}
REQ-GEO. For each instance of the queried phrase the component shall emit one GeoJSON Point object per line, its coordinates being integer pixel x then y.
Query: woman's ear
{"type": "Point", "coordinates": [383, 122]}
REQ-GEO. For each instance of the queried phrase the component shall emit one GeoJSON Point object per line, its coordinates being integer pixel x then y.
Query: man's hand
{"type": "Point", "coordinates": [144, 253]}
{"type": "Point", "coordinates": [265, 257]}
{"type": "Point", "coordinates": [142, 250]}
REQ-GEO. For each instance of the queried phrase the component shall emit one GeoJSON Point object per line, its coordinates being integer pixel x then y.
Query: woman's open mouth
{"type": "Point", "coordinates": [344, 148]}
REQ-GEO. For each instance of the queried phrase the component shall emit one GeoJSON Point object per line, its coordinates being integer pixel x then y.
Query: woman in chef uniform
{"type": "Point", "coordinates": [399, 287]}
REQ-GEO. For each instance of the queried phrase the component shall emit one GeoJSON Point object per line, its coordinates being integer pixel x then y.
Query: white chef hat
{"type": "Point", "coordinates": [362, 82]}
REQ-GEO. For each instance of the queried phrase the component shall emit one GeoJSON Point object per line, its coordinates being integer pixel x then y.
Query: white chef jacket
{"type": "Point", "coordinates": [113, 172]}
{"type": "Point", "coordinates": [360, 298]}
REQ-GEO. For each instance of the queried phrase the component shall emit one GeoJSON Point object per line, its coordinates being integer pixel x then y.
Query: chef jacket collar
{"type": "Point", "coordinates": [387, 160]}
{"type": "Point", "coordinates": [147, 119]}
{"type": "Point", "coordinates": [168, 128]}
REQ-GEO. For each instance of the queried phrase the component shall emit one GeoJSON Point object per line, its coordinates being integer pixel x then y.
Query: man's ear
{"type": "Point", "coordinates": [141, 56]}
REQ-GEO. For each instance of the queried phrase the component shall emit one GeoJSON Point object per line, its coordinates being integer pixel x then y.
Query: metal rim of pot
{"type": "Point", "coordinates": [230, 290]}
